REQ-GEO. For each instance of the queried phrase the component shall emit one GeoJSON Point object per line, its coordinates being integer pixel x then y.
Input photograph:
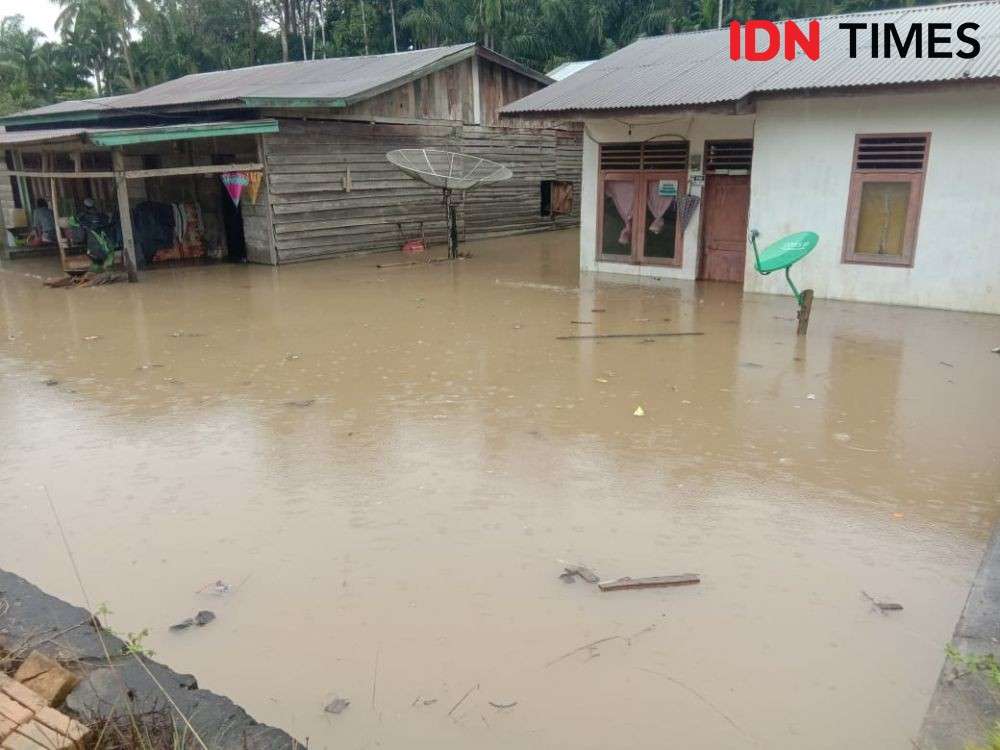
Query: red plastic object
{"type": "Point", "coordinates": [414, 246]}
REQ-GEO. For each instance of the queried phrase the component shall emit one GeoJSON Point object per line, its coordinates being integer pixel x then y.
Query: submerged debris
{"type": "Point", "coordinates": [337, 705]}
{"type": "Point", "coordinates": [201, 619]}
{"type": "Point", "coordinates": [50, 381]}
{"type": "Point", "coordinates": [570, 572]}
{"type": "Point", "coordinates": [882, 606]}
{"type": "Point", "coordinates": [503, 705]}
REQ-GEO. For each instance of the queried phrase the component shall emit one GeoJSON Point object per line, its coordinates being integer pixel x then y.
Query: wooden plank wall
{"type": "Point", "coordinates": [499, 86]}
{"type": "Point", "coordinates": [443, 95]}
{"type": "Point", "coordinates": [6, 201]}
{"type": "Point", "coordinates": [334, 192]}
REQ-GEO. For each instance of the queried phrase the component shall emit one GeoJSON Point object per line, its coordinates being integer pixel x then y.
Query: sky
{"type": "Point", "coordinates": [38, 13]}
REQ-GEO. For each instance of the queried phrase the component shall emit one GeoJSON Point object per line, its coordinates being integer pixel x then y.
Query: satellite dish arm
{"type": "Point", "coordinates": [754, 234]}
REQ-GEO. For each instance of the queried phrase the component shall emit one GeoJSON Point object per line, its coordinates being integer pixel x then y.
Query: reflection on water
{"type": "Point", "coordinates": [395, 461]}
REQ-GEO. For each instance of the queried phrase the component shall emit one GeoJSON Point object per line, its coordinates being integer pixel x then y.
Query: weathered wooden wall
{"type": "Point", "coordinates": [6, 202]}
{"type": "Point", "coordinates": [499, 86]}
{"type": "Point", "coordinates": [332, 190]}
{"type": "Point", "coordinates": [443, 95]}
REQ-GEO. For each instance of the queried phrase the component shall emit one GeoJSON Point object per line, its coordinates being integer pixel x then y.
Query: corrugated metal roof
{"type": "Point", "coordinates": [41, 136]}
{"type": "Point", "coordinates": [347, 79]}
{"type": "Point", "coordinates": [119, 136]}
{"type": "Point", "coordinates": [567, 69]}
{"type": "Point", "coordinates": [694, 69]}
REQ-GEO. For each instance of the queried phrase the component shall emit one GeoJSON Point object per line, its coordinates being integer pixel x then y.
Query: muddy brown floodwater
{"type": "Point", "coordinates": [394, 463]}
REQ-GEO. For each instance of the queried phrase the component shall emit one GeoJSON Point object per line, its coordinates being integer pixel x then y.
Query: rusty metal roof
{"type": "Point", "coordinates": [335, 82]}
{"type": "Point", "coordinates": [694, 69]}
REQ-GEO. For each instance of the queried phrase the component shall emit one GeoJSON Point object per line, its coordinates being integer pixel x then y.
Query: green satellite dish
{"type": "Point", "coordinates": [783, 254]}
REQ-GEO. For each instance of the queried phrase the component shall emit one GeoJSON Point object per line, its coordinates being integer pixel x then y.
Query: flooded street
{"type": "Point", "coordinates": [392, 465]}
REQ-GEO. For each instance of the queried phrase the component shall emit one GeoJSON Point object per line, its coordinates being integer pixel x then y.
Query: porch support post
{"type": "Point", "coordinates": [124, 214]}
{"type": "Point", "coordinates": [60, 240]}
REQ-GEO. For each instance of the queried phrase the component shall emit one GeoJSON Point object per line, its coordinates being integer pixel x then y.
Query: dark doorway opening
{"type": "Point", "coordinates": [232, 223]}
{"type": "Point", "coordinates": [232, 217]}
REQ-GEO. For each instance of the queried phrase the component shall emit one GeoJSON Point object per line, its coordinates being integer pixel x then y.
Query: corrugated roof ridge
{"type": "Point", "coordinates": [452, 47]}
{"type": "Point", "coordinates": [884, 11]}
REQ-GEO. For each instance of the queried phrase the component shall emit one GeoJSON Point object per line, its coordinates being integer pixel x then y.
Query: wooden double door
{"type": "Point", "coordinates": [725, 207]}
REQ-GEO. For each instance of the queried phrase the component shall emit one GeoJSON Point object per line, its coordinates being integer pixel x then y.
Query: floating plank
{"type": "Point", "coordinates": [684, 579]}
{"type": "Point", "coordinates": [629, 335]}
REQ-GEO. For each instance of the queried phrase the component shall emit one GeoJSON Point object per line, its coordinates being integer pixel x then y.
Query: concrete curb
{"type": "Point", "coordinates": [37, 621]}
{"type": "Point", "coordinates": [964, 710]}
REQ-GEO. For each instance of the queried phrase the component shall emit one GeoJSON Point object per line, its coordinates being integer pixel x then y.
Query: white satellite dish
{"type": "Point", "coordinates": [448, 171]}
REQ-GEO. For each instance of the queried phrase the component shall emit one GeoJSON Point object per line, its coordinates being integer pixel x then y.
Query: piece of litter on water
{"type": "Point", "coordinates": [91, 338]}
{"type": "Point", "coordinates": [842, 437]}
{"type": "Point", "coordinates": [301, 403]}
{"type": "Point", "coordinates": [601, 380]}
{"type": "Point", "coordinates": [995, 350]}
{"type": "Point", "coordinates": [811, 396]}
{"type": "Point", "coordinates": [204, 617]}
{"type": "Point", "coordinates": [503, 705]}
{"type": "Point", "coordinates": [639, 412]}
{"type": "Point", "coordinates": [50, 382]}
{"type": "Point", "coordinates": [651, 582]}
{"type": "Point", "coordinates": [219, 588]}
{"type": "Point", "coordinates": [336, 706]}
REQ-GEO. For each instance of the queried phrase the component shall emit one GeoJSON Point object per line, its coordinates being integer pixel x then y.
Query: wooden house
{"type": "Point", "coordinates": [317, 132]}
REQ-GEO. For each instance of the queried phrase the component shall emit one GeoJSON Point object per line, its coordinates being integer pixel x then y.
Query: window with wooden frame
{"type": "Point", "coordinates": [639, 185]}
{"type": "Point", "coordinates": [883, 209]}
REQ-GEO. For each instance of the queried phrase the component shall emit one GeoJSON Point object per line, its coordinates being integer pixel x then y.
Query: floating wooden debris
{"type": "Point", "coordinates": [882, 606]}
{"type": "Point", "coordinates": [651, 582]}
{"type": "Point", "coordinates": [629, 335]}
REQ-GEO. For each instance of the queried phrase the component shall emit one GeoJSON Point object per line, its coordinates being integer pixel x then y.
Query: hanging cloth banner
{"type": "Point", "coordinates": [253, 189]}
{"type": "Point", "coordinates": [235, 182]}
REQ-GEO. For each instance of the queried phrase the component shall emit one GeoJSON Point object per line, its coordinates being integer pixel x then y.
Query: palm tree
{"type": "Point", "coordinates": [121, 13]}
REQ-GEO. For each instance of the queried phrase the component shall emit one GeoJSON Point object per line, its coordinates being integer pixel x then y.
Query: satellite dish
{"type": "Point", "coordinates": [448, 171]}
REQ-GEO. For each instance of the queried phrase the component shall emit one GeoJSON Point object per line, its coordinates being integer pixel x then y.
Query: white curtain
{"type": "Point", "coordinates": [658, 206]}
{"type": "Point", "coordinates": [622, 194]}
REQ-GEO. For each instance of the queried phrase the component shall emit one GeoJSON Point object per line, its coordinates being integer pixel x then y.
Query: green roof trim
{"type": "Point", "coordinates": [59, 117]}
{"type": "Point", "coordinates": [156, 133]}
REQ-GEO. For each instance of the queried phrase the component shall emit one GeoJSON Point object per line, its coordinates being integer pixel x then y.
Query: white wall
{"type": "Point", "coordinates": [801, 174]}
{"type": "Point", "coordinates": [697, 129]}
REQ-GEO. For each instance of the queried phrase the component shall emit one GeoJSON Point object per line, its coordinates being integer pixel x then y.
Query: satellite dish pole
{"type": "Point", "coordinates": [451, 223]}
{"type": "Point", "coordinates": [449, 171]}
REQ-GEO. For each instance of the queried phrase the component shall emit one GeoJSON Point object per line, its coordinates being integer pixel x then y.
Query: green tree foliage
{"type": "Point", "coordinates": [109, 47]}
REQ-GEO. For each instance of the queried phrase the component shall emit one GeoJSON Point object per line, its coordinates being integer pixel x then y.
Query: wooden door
{"type": "Point", "coordinates": [724, 234]}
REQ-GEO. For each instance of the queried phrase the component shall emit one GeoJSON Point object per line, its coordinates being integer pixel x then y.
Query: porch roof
{"type": "Point", "coordinates": [109, 137]}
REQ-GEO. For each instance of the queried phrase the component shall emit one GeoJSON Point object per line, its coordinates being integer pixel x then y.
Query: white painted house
{"type": "Point", "coordinates": [894, 162]}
